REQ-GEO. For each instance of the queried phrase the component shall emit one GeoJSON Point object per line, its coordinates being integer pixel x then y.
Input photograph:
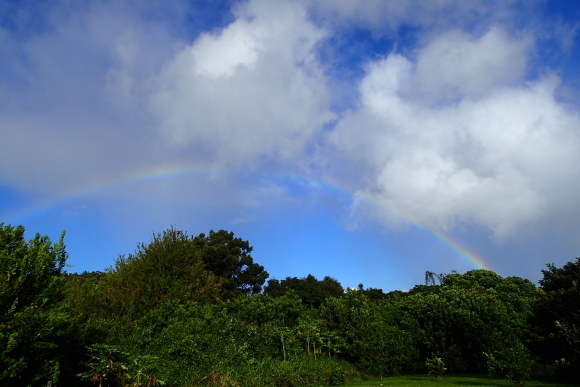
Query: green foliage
{"type": "Point", "coordinates": [512, 361]}
{"type": "Point", "coordinates": [85, 303]}
{"type": "Point", "coordinates": [352, 319]}
{"type": "Point", "coordinates": [229, 258]}
{"type": "Point", "coordinates": [556, 279]}
{"type": "Point", "coordinates": [304, 372]}
{"type": "Point", "coordinates": [188, 311]}
{"type": "Point", "coordinates": [162, 301]}
{"type": "Point", "coordinates": [31, 278]}
{"type": "Point", "coordinates": [556, 319]}
{"type": "Point", "coordinates": [110, 364]}
{"type": "Point", "coordinates": [176, 267]}
{"type": "Point", "coordinates": [274, 323]}
{"type": "Point", "coordinates": [435, 366]}
{"type": "Point", "coordinates": [30, 272]}
{"type": "Point", "coordinates": [190, 341]}
{"type": "Point", "coordinates": [312, 291]}
{"type": "Point", "coordinates": [376, 295]}
{"type": "Point", "coordinates": [473, 279]}
{"type": "Point", "coordinates": [370, 335]}
{"type": "Point", "coordinates": [393, 351]}
{"type": "Point", "coordinates": [299, 372]}
{"type": "Point", "coordinates": [469, 314]}
{"type": "Point", "coordinates": [170, 268]}
{"type": "Point", "coordinates": [211, 345]}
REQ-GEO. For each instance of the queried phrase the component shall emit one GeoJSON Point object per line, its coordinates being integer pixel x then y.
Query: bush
{"type": "Point", "coordinates": [435, 366]}
{"type": "Point", "coordinates": [306, 371]}
{"type": "Point", "coordinates": [268, 372]}
{"type": "Point", "coordinates": [512, 362]}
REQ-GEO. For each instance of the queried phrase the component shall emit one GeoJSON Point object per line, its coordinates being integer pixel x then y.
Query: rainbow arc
{"type": "Point", "coordinates": [173, 171]}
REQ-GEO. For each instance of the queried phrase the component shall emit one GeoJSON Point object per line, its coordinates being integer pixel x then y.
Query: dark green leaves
{"type": "Point", "coordinates": [31, 280]}
{"type": "Point", "coordinates": [229, 258]}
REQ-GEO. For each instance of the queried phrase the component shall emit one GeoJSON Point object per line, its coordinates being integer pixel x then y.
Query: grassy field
{"type": "Point", "coordinates": [450, 380]}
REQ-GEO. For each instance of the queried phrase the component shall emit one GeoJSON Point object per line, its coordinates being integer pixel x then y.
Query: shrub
{"type": "Point", "coordinates": [435, 366]}
{"type": "Point", "coordinates": [304, 372]}
{"type": "Point", "coordinates": [511, 361]}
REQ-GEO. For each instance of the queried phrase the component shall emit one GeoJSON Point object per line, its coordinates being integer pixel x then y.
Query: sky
{"type": "Point", "coordinates": [365, 140]}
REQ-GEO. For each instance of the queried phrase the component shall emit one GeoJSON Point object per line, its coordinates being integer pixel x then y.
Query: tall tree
{"type": "Point", "coordinates": [229, 258]}
{"type": "Point", "coordinates": [469, 314]}
{"type": "Point", "coordinates": [31, 279]}
{"type": "Point", "coordinates": [556, 318]}
{"type": "Point", "coordinates": [274, 322]}
{"type": "Point", "coordinates": [170, 268]}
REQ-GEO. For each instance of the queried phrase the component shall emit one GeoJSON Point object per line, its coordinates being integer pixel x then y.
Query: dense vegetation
{"type": "Point", "coordinates": [194, 311]}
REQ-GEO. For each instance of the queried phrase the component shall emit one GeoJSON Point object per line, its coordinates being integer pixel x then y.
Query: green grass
{"type": "Point", "coordinates": [450, 380]}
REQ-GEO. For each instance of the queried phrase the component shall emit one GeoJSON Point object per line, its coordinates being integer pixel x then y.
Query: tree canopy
{"type": "Point", "coordinates": [556, 319]}
{"type": "Point", "coordinates": [30, 285]}
{"type": "Point", "coordinates": [312, 291]}
{"type": "Point", "coordinates": [169, 268]}
{"type": "Point", "coordinates": [229, 258]}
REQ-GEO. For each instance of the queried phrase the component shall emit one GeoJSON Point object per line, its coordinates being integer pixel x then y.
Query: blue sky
{"type": "Point", "coordinates": [366, 140]}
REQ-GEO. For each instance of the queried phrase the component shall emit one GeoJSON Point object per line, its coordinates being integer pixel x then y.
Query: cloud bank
{"type": "Point", "coordinates": [457, 134]}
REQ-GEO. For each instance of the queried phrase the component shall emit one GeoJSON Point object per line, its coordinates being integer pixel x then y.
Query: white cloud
{"type": "Point", "coordinates": [253, 89]}
{"type": "Point", "coordinates": [456, 65]}
{"type": "Point", "coordinates": [220, 55]}
{"type": "Point", "coordinates": [492, 156]}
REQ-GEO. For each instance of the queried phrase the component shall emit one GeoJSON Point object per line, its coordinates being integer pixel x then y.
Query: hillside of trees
{"type": "Point", "coordinates": [198, 311]}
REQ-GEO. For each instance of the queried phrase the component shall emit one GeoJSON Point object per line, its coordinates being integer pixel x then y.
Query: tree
{"type": "Point", "coordinates": [513, 361]}
{"type": "Point", "coordinates": [189, 341]}
{"type": "Point", "coordinates": [556, 319]}
{"type": "Point", "coordinates": [470, 314]}
{"type": "Point", "coordinates": [274, 322]}
{"type": "Point", "coordinates": [312, 291]}
{"type": "Point", "coordinates": [31, 279]}
{"type": "Point", "coordinates": [473, 279]}
{"type": "Point", "coordinates": [229, 258]}
{"type": "Point", "coordinates": [375, 294]}
{"type": "Point", "coordinates": [359, 331]}
{"type": "Point", "coordinates": [170, 268]}
{"type": "Point", "coordinates": [435, 366]}
{"type": "Point", "coordinates": [431, 278]}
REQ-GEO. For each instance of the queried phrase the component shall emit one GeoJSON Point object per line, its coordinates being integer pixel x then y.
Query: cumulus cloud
{"type": "Point", "coordinates": [456, 65]}
{"type": "Point", "coordinates": [472, 144]}
{"type": "Point", "coordinates": [251, 90]}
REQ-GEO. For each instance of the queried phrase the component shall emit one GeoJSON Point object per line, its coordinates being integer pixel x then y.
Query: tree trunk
{"type": "Point", "coordinates": [283, 347]}
{"type": "Point", "coordinates": [314, 345]}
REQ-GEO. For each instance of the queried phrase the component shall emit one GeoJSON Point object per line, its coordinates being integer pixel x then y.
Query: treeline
{"type": "Point", "coordinates": [197, 311]}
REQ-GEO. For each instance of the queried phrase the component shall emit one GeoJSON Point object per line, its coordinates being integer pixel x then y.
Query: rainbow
{"type": "Point", "coordinates": [179, 170]}
{"type": "Point", "coordinates": [467, 255]}
{"type": "Point", "coordinates": [463, 252]}
{"type": "Point", "coordinates": [142, 175]}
